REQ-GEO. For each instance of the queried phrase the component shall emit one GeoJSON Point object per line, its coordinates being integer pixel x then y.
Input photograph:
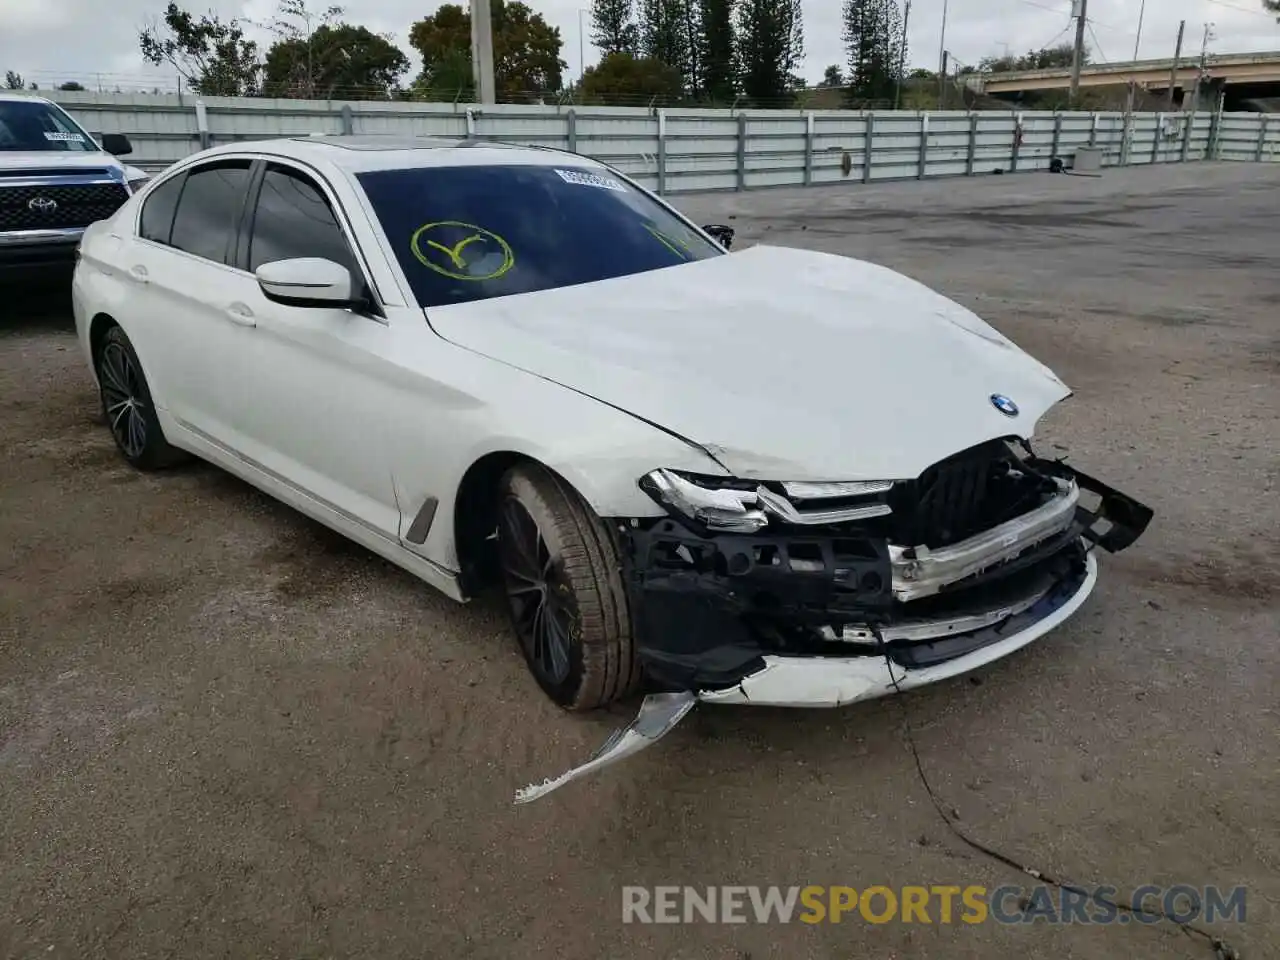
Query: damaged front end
{"type": "Point", "coordinates": [824, 594]}
{"type": "Point", "coordinates": [821, 594]}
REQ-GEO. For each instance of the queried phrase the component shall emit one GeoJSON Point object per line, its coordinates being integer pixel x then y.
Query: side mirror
{"type": "Point", "coordinates": [721, 234]}
{"type": "Point", "coordinates": [116, 144]}
{"type": "Point", "coordinates": [306, 282]}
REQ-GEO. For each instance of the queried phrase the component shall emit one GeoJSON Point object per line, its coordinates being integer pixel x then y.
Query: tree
{"type": "Point", "coordinates": [621, 79]}
{"type": "Point", "coordinates": [833, 76]}
{"type": "Point", "coordinates": [1273, 6]}
{"type": "Point", "coordinates": [613, 27]}
{"type": "Point", "coordinates": [664, 33]}
{"type": "Point", "coordinates": [13, 81]}
{"type": "Point", "coordinates": [874, 41]}
{"type": "Point", "coordinates": [716, 48]}
{"type": "Point", "coordinates": [71, 85]}
{"type": "Point", "coordinates": [770, 35]}
{"type": "Point", "coordinates": [334, 61]}
{"type": "Point", "coordinates": [213, 56]}
{"type": "Point", "coordinates": [1051, 58]}
{"type": "Point", "coordinates": [526, 51]}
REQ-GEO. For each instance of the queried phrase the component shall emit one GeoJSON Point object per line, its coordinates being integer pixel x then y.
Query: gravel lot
{"type": "Point", "coordinates": [225, 732]}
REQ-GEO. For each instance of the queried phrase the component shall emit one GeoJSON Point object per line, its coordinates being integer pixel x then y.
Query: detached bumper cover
{"type": "Point", "coordinates": [803, 617]}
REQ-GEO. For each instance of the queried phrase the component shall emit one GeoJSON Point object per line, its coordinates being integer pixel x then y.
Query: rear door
{"type": "Point", "coordinates": [183, 318]}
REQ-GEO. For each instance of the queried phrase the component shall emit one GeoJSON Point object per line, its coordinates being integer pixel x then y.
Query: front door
{"type": "Point", "coordinates": [313, 381]}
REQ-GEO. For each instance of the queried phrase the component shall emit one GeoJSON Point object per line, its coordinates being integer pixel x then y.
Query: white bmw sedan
{"type": "Point", "coordinates": [770, 476]}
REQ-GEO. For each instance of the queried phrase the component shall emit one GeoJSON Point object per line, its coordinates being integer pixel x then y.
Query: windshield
{"type": "Point", "coordinates": [32, 125]}
{"type": "Point", "coordinates": [474, 232]}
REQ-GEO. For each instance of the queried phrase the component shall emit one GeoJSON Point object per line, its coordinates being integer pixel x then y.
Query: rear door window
{"type": "Point", "coordinates": [158, 210]}
{"type": "Point", "coordinates": [209, 210]}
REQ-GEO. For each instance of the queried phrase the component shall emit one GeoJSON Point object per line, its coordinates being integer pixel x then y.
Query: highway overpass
{"type": "Point", "coordinates": [1258, 73]}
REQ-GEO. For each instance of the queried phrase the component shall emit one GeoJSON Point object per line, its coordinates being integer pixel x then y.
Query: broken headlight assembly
{"type": "Point", "coordinates": [727, 505]}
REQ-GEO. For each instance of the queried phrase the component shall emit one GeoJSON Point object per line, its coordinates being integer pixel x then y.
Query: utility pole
{"type": "Point", "coordinates": [1177, 55]}
{"type": "Point", "coordinates": [1077, 60]}
{"type": "Point", "coordinates": [1204, 60]}
{"type": "Point", "coordinates": [942, 81]}
{"type": "Point", "coordinates": [942, 49]}
{"type": "Point", "coordinates": [902, 55]}
{"type": "Point", "coordinates": [1133, 84]}
{"type": "Point", "coordinates": [482, 51]}
{"type": "Point", "coordinates": [582, 49]}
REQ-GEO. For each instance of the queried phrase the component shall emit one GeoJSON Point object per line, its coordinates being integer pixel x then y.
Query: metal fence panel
{"type": "Point", "coordinates": [679, 150]}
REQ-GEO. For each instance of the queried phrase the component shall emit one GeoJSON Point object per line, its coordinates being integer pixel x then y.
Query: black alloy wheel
{"type": "Point", "coordinates": [563, 584]}
{"type": "Point", "coordinates": [542, 605]}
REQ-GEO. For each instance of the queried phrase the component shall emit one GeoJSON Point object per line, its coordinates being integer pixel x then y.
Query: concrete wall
{"type": "Point", "coordinates": [676, 151]}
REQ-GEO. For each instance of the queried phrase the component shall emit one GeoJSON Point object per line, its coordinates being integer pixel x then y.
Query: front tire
{"type": "Point", "coordinates": [127, 405]}
{"type": "Point", "coordinates": [561, 573]}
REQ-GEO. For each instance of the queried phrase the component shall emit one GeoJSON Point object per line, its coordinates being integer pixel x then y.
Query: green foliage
{"type": "Point", "coordinates": [1050, 58]}
{"type": "Point", "coordinates": [213, 56]}
{"type": "Point", "coordinates": [70, 85]}
{"type": "Point", "coordinates": [664, 33]}
{"type": "Point", "coordinates": [1273, 6]}
{"type": "Point", "coordinates": [526, 52]}
{"type": "Point", "coordinates": [874, 40]}
{"type": "Point", "coordinates": [833, 76]}
{"type": "Point", "coordinates": [613, 27]}
{"type": "Point", "coordinates": [623, 80]}
{"type": "Point", "coordinates": [334, 61]}
{"type": "Point", "coordinates": [13, 80]}
{"type": "Point", "coordinates": [770, 48]}
{"type": "Point", "coordinates": [716, 49]}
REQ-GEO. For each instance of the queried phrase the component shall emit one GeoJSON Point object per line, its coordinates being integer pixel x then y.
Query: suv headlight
{"type": "Point", "coordinates": [744, 506]}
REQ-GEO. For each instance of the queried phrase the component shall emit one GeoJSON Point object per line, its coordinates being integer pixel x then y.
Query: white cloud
{"type": "Point", "coordinates": [53, 40]}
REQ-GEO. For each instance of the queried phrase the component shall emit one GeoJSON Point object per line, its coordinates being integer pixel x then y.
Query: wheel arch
{"type": "Point", "coordinates": [98, 327]}
{"type": "Point", "coordinates": [475, 506]}
{"type": "Point", "coordinates": [475, 517]}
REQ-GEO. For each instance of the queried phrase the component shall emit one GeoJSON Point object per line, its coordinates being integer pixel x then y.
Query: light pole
{"type": "Point", "coordinates": [582, 48]}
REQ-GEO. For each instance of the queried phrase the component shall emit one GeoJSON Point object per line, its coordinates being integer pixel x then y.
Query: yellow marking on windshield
{"type": "Point", "coordinates": [454, 252]}
{"type": "Point", "coordinates": [671, 243]}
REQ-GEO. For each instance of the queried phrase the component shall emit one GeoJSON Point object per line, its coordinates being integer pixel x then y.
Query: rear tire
{"type": "Point", "coordinates": [127, 405]}
{"type": "Point", "coordinates": [562, 577]}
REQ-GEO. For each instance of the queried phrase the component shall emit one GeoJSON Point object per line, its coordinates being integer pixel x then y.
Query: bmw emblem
{"type": "Point", "coordinates": [1004, 404]}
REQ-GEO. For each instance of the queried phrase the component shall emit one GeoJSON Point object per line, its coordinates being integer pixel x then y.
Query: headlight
{"type": "Point", "coordinates": [138, 183]}
{"type": "Point", "coordinates": [740, 506]}
{"type": "Point", "coordinates": [720, 509]}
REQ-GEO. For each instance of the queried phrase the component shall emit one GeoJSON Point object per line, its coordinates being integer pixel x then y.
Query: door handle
{"type": "Point", "coordinates": [139, 273]}
{"type": "Point", "coordinates": [239, 313]}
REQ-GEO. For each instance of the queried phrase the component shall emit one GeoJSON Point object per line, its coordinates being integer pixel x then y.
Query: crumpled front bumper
{"type": "Point", "coordinates": [838, 681]}
{"type": "Point", "coordinates": [802, 618]}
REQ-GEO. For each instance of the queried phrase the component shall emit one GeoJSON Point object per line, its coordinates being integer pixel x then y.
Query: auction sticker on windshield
{"type": "Point", "coordinates": [72, 137]}
{"type": "Point", "coordinates": [582, 178]}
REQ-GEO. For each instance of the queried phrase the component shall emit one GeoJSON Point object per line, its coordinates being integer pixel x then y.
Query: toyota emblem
{"type": "Point", "coordinates": [42, 205]}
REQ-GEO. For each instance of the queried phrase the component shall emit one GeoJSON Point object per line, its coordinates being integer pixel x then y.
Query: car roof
{"type": "Point", "coordinates": [362, 153]}
{"type": "Point", "coordinates": [19, 95]}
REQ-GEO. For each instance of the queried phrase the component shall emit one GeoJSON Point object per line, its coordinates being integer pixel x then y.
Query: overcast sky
{"type": "Point", "coordinates": [49, 41]}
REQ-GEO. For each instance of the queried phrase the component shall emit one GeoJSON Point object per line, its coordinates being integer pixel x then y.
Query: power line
{"type": "Point", "coordinates": [1256, 13]}
{"type": "Point", "coordinates": [1101, 52]}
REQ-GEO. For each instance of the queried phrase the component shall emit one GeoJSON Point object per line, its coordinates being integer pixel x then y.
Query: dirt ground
{"type": "Point", "coordinates": [226, 733]}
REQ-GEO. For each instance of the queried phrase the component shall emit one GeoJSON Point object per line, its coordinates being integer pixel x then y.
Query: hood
{"type": "Point", "coordinates": [784, 364]}
{"type": "Point", "coordinates": [59, 160]}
